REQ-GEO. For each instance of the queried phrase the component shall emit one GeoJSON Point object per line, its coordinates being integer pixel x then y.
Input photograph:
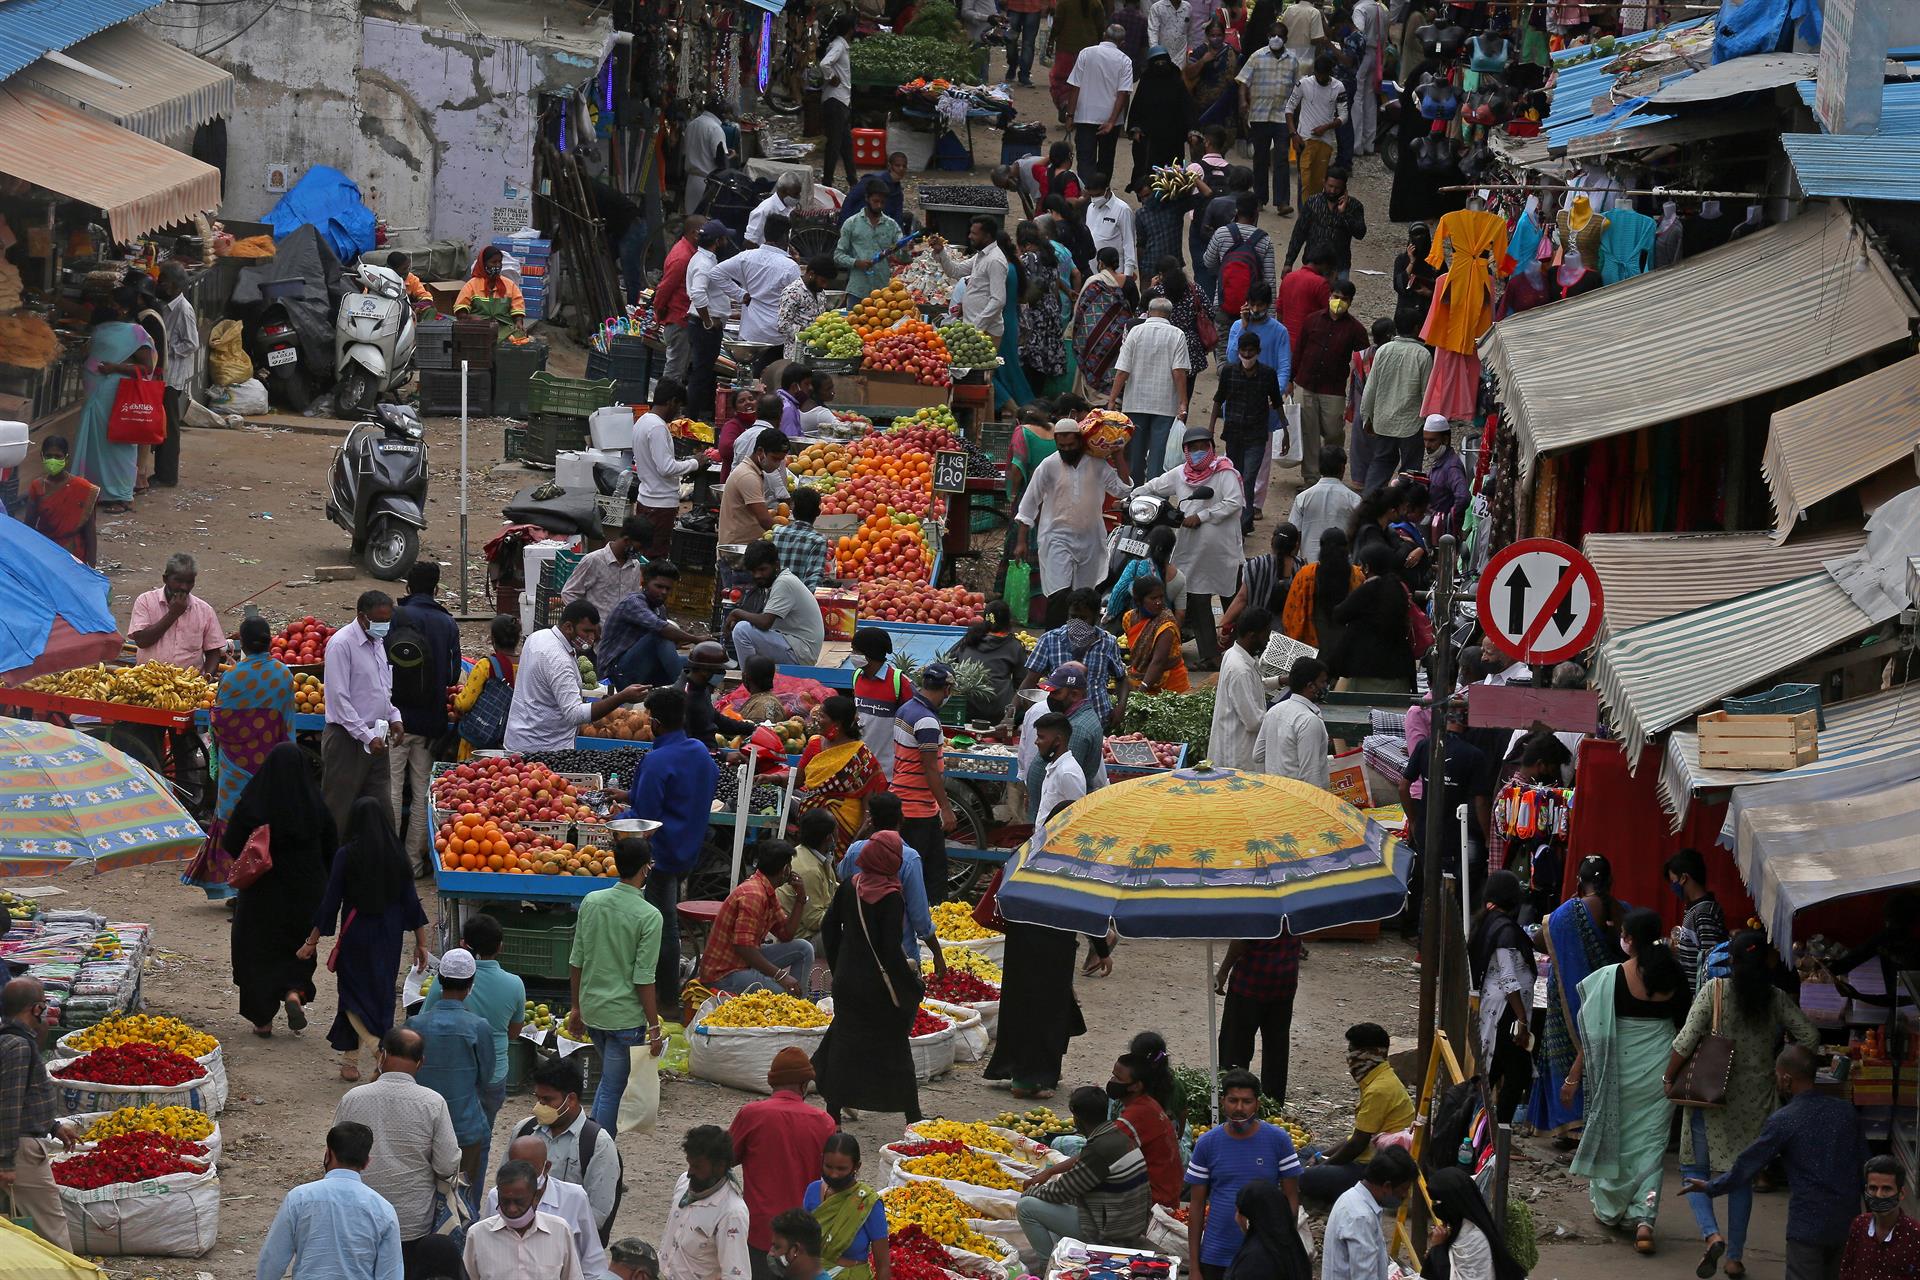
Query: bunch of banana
{"type": "Point", "coordinates": [1170, 182]}
{"type": "Point", "coordinates": [159, 685]}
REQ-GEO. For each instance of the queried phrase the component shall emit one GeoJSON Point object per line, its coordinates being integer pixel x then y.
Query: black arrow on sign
{"type": "Point", "coordinates": [1517, 603]}
{"type": "Point", "coordinates": [1563, 616]}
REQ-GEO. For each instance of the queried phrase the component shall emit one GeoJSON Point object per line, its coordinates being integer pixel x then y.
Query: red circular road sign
{"type": "Point", "coordinates": [1540, 601]}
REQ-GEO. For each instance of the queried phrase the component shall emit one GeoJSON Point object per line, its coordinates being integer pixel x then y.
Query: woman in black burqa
{"type": "Point", "coordinates": [271, 916]}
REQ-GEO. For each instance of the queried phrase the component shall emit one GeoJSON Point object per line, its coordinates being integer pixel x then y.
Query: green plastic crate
{"type": "Point", "coordinates": [576, 397]}
{"type": "Point", "coordinates": [537, 951]}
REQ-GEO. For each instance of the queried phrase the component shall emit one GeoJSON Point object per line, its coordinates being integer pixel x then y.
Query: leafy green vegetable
{"type": "Point", "coordinates": [1173, 717]}
{"type": "Point", "coordinates": [936, 19]}
{"type": "Point", "coordinates": [897, 59]}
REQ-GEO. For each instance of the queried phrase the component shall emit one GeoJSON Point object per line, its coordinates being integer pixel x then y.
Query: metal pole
{"type": "Point", "coordinates": [742, 810]}
{"type": "Point", "coordinates": [1213, 1042]}
{"type": "Point", "coordinates": [1434, 837]}
{"type": "Point", "coordinates": [463, 487]}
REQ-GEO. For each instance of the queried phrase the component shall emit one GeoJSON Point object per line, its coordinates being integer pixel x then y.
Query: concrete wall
{"type": "Point", "coordinates": [435, 125]}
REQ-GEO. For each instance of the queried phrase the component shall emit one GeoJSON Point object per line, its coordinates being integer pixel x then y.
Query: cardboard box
{"type": "Point", "coordinates": [900, 390]}
{"type": "Point", "coordinates": [840, 610]}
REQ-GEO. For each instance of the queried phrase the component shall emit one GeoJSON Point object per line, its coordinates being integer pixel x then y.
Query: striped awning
{"type": "Point", "coordinates": [1799, 845]}
{"type": "Point", "coordinates": [139, 184]}
{"type": "Point", "coordinates": [1695, 336]}
{"type": "Point", "coordinates": [1880, 732]}
{"type": "Point", "coordinates": [1820, 446]}
{"type": "Point", "coordinates": [161, 92]}
{"type": "Point", "coordinates": [1653, 677]}
{"type": "Point", "coordinates": [1650, 576]}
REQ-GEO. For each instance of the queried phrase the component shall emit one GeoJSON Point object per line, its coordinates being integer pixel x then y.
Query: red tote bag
{"type": "Point", "coordinates": [139, 411]}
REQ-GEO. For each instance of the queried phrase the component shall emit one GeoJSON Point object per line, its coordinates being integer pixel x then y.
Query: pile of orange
{"type": "Point", "coordinates": [881, 308]}
{"type": "Point", "coordinates": [473, 842]}
{"type": "Point", "coordinates": [887, 545]}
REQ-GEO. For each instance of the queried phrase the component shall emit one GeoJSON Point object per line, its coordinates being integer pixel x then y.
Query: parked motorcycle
{"type": "Point", "coordinates": [373, 339]}
{"type": "Point", "coordinates": [377, 490]}
{"type": "Point", "coordinates": [275, 345]}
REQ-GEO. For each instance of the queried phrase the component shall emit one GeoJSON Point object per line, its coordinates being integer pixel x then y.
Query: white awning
{"type": "Point", "coordinates": [1760, 313]}
{"type": "Point", "coordinates": [1650, 576]}
{"type": "Point", "coordinates": [157, 90]}
{"type": "Point", "coordinates": [1820, 446]}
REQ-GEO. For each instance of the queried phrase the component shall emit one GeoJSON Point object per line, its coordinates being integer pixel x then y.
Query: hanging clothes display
{"type": "Point", "coordinates": [1468, 242]}
{"type": "Point", "coordinates": [1626, 246]}
{"type": "Point", "coordinates": [1580, 226]}
{"type": "Point", "coordinates": [1669, 236]}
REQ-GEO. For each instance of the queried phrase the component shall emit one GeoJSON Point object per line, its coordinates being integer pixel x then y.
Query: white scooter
{"type": "Point", "coordinates": [373, 340]}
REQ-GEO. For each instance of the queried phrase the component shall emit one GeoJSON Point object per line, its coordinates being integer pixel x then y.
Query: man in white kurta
{"type": "Point", "coordinates": [1293, 733]}
{"type": "Point", "coordinates": [1060, 512]}
{"type": "Point", "coordinates": [1210, 546]}
{"type": "Point", "coordinates": [1240, 698]}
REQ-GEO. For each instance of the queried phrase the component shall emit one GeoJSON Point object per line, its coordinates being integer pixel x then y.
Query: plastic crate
{"type": "Point", "coordinates": [433, 343]}
{"type": "Point", "coordinates": [1781, 700]}
{"type": "Point", "coordinates": [996, 439]}
{"type": "Point", "coordinates": [537, 952]}
{"type": "Point", "coordinates": [474, 341]}
{"type": "Point", "coordinates": [552, 433]}
{"type": "Point", "coordinates": [693, 594]}
{"type": "Point", "coordinates": [576, 396]}
{"type": "Point", "coordinates": [440, 392]}
{"type": "Point", "coordinates": [515, 442]}
{"type": "Point", "coordinates": [693, 549]}
{"type": "Point", "coordinates": [512, 367]}
{"type": "Point", "coordinates": [520, 1062]}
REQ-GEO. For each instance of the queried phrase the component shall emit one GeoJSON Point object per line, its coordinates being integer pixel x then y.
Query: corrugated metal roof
{"type": "Point", "coordinates": [1899, 106]}
{"type": "Point", "coordinates": [1880, 730]}
{"type": "Point", "coordinates": [1590, 368]}
{"type": "Point", "coordinates": [1801, 844]}
{"type": "Point", "coordinates": [1653, 677]}
{"type": "Point", "coordinates": [1821, 445]}
{"type": "Point", "coordinates": [1638, 133]}
{"type": "Point", "coordinates": [140, 184]}
{"type": "Point", "coordinates": [1738, 75]}
{"type": "Point", "coordinates": [1872, 166]}
{"type": "Point", "coordinates": [170, 92]}
{"type": "Point", "coordinates": [1649, 576]}
{"type": "Point", "coordinates": [30, 28]}
{"type": "Point", "coordinates": [1620, 117]}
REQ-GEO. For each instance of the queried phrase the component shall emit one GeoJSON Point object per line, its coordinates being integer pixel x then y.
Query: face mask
{"type": "Point", "coordinates": [54, 466]}
{"type": "Point", "coordinates": [1243, 1126]}
{"type": "Point", "coordinates": [777, 1267]}
{"type": "Point", "coordinates": [1679, 888]}
{"type": "Point", "coordinates": [1119, 1092]}
{"type": "Point", "coordinates": [839, 1184]}
{"type": "Point", "coordinates": [1247, 362]}
{"type": "Point", "coordinates": [1390, 1203]}
{"type": "Point", "coordinates": [1338, 306]}
{"type": "Point", "coordinates": [545, 1114]}
{"type": "Point", "coordinates": [1198, 456]}
{"type": "Point", "coordinates": [1881, 1204]}
{"type": "Point", "coordinates": [1256, 316]}
{"type": "Point", "coordinates": [522, 1221]}
{"type": "Point", "coordinates": [1057, 704]}
{"type": "Point", "coordinates": [1276, 44]}
{"type": "Point", "coordinates": [378, 630]}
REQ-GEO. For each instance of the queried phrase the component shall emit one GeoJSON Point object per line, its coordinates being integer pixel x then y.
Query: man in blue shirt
{"type": "Point", "coordinates": [638, 643]}
{"type": "Point", "coordinates": [890, 180]}
{"type": "Point", "coordinates": [1818, 1140]}
{"type": "Point", "coordinates": [1276, 350]}
{"type": "Point", "coordinates": [500, 999]}
{"type": "Point", "coordinates": [674, 787]}
{"type": "Point", "coordinates": [337, 1226]}
{"type": "Point", "coordinates": [460, 1060]}
{"type": "Point", "coordinates": [420, 694]}
{"type": "Point", "coordinates": [1226, 1158]}
{"type": "Point", "coordinates": [883, 814]}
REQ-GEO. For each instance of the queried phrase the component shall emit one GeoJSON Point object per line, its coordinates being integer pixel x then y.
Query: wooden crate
{"type": "Point", "coordinates": [1758, 742]}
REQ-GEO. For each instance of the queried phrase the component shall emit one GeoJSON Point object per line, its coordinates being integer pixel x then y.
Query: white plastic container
{"type": "Point", "coordinates": [611, 427]}
{"type": "Point", "coordinates": [13, 444]}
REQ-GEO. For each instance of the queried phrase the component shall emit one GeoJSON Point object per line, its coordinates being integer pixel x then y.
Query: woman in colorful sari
{"type": "Point", "coordinates": [1154, 661]}
{"type": "Point", "coordinates": [1010, 385]}
{"type": "Point", "coordinates": [853, 1221]}
{"type": "Point", "coordinates": [118, 349]}
{"type": "Point", "coordinates": [252, 714]}
{"type": "Point", "coordinates": [1582, 935]}
{"type": "Point", "coordinates": [837, 770]}
{"type": "Point", "coordinates": [1107, 308]}
{"type": "Point", "coordinates": [1067, 290]}
{"type": "Point", "coordinates": [60, 504]}
{"type": "Point", "coordinates": [1628, 1014]}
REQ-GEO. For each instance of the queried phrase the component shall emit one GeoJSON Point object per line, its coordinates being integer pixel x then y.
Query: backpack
{"type": "Point", "coordinates": [1239, 268]}
{"type": "Point", "coordinates": [589, 1143]}
{"type": "Point", "coordinates": [484, 726]}
{"type": "Point", "coordinates": [415, 683]}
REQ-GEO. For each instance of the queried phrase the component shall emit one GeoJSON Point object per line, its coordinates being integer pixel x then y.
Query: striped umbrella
{"type": "Point", "coordinates": [1207, 853]}
{"type": "Point", "coordinates": [65, 797]}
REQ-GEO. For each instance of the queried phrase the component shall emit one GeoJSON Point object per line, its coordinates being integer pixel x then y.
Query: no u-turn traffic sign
{"type": "Point", "coordinates": [1540, 601]}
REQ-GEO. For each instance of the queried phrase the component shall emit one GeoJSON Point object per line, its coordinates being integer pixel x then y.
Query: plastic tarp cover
{"type": "Point", "coordinates": [1764, 26]}
{"type": "Point", "coordinates": [40, 582]}
{"type": "Point", "coordinates": [300, 255]}
{"type": "Point", "coordinates": [329, 200]}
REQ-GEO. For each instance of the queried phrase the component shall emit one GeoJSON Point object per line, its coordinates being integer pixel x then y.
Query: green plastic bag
{"type": "Point", "coordinates": [1019, 592]}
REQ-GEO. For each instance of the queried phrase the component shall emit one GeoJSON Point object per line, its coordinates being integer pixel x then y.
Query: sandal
{"type": "Point", "coordinates": [1710, 1260]}
{"type": "Point", "coordinates": [296, 1014]}
{"type": "Point", "coordinates": [1032, 1094]}
{"type": "Point", "coordinates": [349, 1072]}
{"type": "Point", "coordinates": [1643, 1239]}
{"type": "Point", "coordinates": [116, 508]}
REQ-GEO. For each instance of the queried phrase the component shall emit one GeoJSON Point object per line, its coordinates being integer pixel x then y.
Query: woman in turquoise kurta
{"type": "Point", "coordinates": [252, 714]}
{"type": "Point", "coordinates": [1009, 382]}
{"type": "Point", "coordinates": [118, 349]}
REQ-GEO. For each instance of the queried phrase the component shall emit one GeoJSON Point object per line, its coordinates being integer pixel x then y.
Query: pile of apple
{"type": "Point", "coordinates": [511, 789]}
{"type": "Point", "coordinates": [302, 643]}
{"type": "Point", "coordinates": [898, 600]}
{"type": "Point", "coordinates": [913, 347]}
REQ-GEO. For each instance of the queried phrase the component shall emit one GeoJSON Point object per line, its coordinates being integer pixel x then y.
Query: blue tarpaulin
{"type": "Point", "coordinates": [329, 201]}
{"type": "Point", "coordinates": [1763, 26]}
{"type": "Point", "coordinates": [40, 581]}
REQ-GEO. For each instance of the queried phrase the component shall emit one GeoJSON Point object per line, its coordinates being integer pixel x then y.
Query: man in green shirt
{"type": "Point", "coordinates": [499, 999]}
{"type": "Point", "coordinates": [616, 944]}
{"type": "Point", "coordinates": [866, 245]}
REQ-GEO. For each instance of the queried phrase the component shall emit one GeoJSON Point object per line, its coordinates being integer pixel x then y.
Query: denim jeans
{"type": "Point", "coordinates": [1739, 1201]}
{"type": "Point", "coordinates": [492, 1098]}
{"type": "Point", "coordinates": [1148, 448]}
{"type": "Point", "coordinates": [1045, 1222]}
{"type": "Point", "coordinates": [1270, 167]}
{"type": "Point", "coordinates": [1245, 456]}
{"type": "Point", "coordinates": [1023, 32]}
{"type": "Point", "coordinates": [794, 957]}
{"type": "Point", "coordinates": [651, 660]}
{"type": "Point", "coordinates": [750, 642]}
{"type": "Point", "coordinates": [614, 1048]}
{"type": "Point", "coordinates": [663, 891]}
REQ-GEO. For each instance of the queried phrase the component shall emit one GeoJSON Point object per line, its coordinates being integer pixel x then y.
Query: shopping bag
{"type": "Point", "coordinates": [1174, 453]}
{"type": "Point", "coordinates": [640, 1101]}
{"type": "Point", "coordinates": [1286, 442]}
{"type": "Point", "coordinates": [139, 413]}
{"type": "Point", "coordinates": [1019, 589]}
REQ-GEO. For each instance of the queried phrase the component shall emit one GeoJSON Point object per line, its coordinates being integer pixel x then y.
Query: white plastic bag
{"type": "Point", "coordinates": [1167, 1233]}
{"type": "Point", "coordinates": [1287, 450]}
{"type": "Point", "coordinates": [992, 949]}
{"type": "Point", "coordinates": [77, 1096]}
{"type": "Point", "coordinates": [1175, 452]}
{"type": "Point", "coordinates": [175, 1216]}
{"type": "Point", "coordinates": [640, 1103]}
{"type": "Point", "coordinates": [214, 1064]}
{"type": "Point", "coordinates": [970, 1037]}
{"type": "Point", "coordinates": [988, 1202]}
{"type": "Point", "coordinates": [242, 397]}
{"type": "Point", "coordinates": [85, 1121]}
